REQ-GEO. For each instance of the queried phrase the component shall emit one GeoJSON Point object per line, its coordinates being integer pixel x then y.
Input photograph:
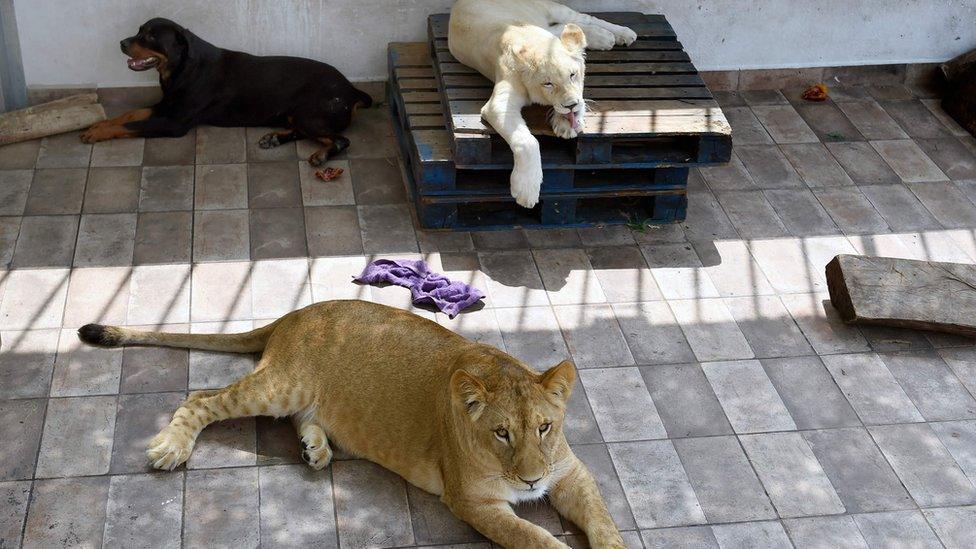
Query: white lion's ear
{"type": "Point", "coordinates": [519, 59]}
{"type": "Point", "coordinates": [468, 392]}
{"type": "Point", "coordinates": [574, 39]}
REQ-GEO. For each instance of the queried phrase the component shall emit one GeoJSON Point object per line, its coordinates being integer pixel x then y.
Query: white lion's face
{"type": "Point", "coordinates": [553, 74]}
{"type": "Point", "coordinates": [559, 83]}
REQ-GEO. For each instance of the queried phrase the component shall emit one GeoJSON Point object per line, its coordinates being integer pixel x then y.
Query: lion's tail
{"type": "Point", "coordinates": [116, 336]}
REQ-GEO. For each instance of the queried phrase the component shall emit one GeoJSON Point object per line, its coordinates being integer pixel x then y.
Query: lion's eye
{"type": "Point", "coordinates": [572, 76]}
{"type": "Point", "coordinates": [502, 433]}
{"type": "Point", "coordinates": [548, 84]}
{"type": "Point", "coordinates": [544, 428]}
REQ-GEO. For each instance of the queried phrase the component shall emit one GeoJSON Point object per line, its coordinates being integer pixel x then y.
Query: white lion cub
{"type": "Point", "coordinates": [533, 51]}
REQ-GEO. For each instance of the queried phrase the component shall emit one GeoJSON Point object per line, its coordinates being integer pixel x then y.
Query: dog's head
{"type": "Point", "coordinates": [160, 43]}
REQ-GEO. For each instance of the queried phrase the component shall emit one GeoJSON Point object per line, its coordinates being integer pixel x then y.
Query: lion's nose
{"type": "Point", "coordinates": [531, 483]}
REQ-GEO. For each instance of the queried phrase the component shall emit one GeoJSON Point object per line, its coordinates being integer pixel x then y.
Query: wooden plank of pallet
{"type": "Point", "coordinates": [613, 56]}
{"type": "Point", "coordinates": [610, 93]}
{"type": "Point", "coordinates": [418, 84]}
{"type": "Point", "coordinates": [671, 67]}
{"type": "Point", "coordinates": [422, 96]}
{"type": "Point", "coordinates": [415, 72]}
{"type": "Point", "coordinates": [426, 122]}
{"type": "Point", "coordinates": [594, 81]}
{"type": "Point", "coordinates": [440, 44]}
{"type": "Point", "coordinates": [665, 118]}
{"type": "Point", "coordinates": [925, 295]}
{"type": "Point", "coordinates": [495, 196]}
{"type": "Point", "coordinates": [646, 26]}
{"type": "Point", "coordinates": [424, 108]}
{"type": "Point", "coordinates": [409, 54]}
{"type": "Point", "coordinates": [552, 211]}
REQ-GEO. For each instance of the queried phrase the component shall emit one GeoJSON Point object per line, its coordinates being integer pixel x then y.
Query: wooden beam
{"type": "Point", "coordinates": [61, 116]}
{"type": "Point", "coordinates": [924, 295]}
{"type": "Point", "coordinates": [959, 98]}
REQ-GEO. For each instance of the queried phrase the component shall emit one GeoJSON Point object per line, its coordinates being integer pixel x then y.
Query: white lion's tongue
{"type": "Point", "coordinates": [571, 116]}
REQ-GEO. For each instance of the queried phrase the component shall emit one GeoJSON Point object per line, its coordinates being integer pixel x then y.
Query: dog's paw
{"type": "Point", "coordinates": [269, 141]}
{"type": "Point", "coordinates": [600, 39]}
{"type": "Point", "coordinates": [625, 36]}
{"type": "Point", "coordinates": [94, 134]}
{"type": "Point", "coordinates": [318, 158]}
{"type": "Point", "coordinates": [526, 184]}
{"type": "Point", "coordinates": [562, 128]}
{"type": "Point", "coordinates": [169, 449]}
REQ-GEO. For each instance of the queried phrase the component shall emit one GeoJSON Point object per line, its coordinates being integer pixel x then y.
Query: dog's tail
{"type": "Point", "coordinates": [116, 336]}
{"type": "Point", "coordinates": [363, 99]}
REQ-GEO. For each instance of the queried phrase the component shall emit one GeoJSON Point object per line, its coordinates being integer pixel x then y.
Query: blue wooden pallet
{"type": "Point", "coordinates": [651, 108]}
{"type": "Point", "coordinates": [428, 142]}
{"type": "Point", "coordinates": [452, 199]}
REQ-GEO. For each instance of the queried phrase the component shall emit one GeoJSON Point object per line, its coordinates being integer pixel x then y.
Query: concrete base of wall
{"type": "Point", "coordinates": [924, 79]}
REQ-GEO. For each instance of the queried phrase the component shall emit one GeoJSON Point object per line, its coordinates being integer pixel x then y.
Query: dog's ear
{"type": "Point", "coordinates": [184, 41]}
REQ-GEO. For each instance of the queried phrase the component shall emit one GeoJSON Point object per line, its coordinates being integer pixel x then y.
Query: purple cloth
{"type": "Point", "coordinates": [426, 286]}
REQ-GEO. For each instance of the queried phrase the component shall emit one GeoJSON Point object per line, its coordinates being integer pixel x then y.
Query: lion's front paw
{"type": "Point", "coordinates": [526, 185]}
{"type": "Point", "coordinates": [563, 128]}
{"type": "Point", "coordinates": [169, 449]}
{"type": "Point", "coordinates": [315, 448]}
{"type": "Point", "coordinates": [610, 544]}
{"type": "Point", "coordinates": [317, 457]}
{"type": "Point", "coordinates": [625, 36]}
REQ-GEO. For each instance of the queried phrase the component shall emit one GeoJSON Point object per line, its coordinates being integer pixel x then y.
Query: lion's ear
{"type": "Point", "coordinates": [573, 38]}
{"type": "Point", "coordinates": [558, 380]}
{"type": "Point", "coordinates": [468, 392]}
{"type": "Point", "coordinates": [520, 58]}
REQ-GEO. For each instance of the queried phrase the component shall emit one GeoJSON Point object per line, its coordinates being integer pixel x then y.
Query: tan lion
{"type": "Point", "coordinates": [533, 51]}
{"type": "Point", "coordinates": [458, 419]}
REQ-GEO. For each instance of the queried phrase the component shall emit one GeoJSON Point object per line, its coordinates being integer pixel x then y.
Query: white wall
{"type": "Point", "coordinates": [70, 42]}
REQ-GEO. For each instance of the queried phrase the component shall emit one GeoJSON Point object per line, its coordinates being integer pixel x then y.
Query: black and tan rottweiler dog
{"type": "Point", "coordinates": [204, 84]}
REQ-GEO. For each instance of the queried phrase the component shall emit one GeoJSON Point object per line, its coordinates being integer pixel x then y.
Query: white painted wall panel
{"type": "Point", "coordinates": [76, 41]}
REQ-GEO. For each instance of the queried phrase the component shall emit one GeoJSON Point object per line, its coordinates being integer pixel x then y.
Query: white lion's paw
{"type": "Point", "coordinates": [315, 449]}
{"type": "Point", "coordinates": [625, 36]}
{"type": "Point", "coordinates": [169, 449]}
{"type": "Point", "coordinates": [526, 185]}
{"type": "Point", "coordinates": [600, 39]}
{"type": "Point", "coordinates": [562, 128]}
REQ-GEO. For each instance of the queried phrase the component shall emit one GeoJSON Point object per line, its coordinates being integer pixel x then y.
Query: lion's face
{"type": "Point", "coordinates": [514, 423]}
{"type": "Point", "coordinates": [553, 71]}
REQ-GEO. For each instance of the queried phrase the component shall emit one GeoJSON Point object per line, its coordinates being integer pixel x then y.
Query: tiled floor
{"type": "Point", "coordinates": [721, 402]}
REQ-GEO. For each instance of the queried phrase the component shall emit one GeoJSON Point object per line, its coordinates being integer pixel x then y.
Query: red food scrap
{"type": "Point", "coordinates": [329, 174]}
{"type": "Point", "coordinates": [816, 93]}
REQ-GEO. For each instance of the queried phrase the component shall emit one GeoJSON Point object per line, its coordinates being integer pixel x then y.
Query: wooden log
{"type": "Point", "coordinates": [959, 99]}
{"type": "Point", "coordinates": [61, 116]}
{"type": "Point", "coordinates": [954, 67]}
{"type": "Point", "coordinates": [924, 295]}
